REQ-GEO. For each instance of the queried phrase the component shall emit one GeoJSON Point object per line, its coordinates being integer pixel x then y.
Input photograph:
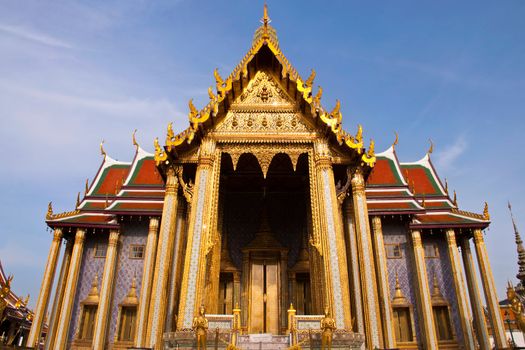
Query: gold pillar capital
{"type": "Point", "coordinates": [172, 182]}
{"type": "Point", "coordinates": [358, 180]}
{"type": "Point", "coordinates": [80, 235]}
{"type": "Point", "coordinates": [478, 236]}
{"type": "Point", "coordinates": [416, 238]}
{"type": "Point", "coordinates": [57, 234]}
{"type": "Point", "coordinates": [113, 238]}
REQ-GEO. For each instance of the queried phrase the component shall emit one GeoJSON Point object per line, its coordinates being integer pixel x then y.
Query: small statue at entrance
{"type": "Point", "coordinates": [327, 330]}
{"type": "Point", "coordinates": [200, 326]}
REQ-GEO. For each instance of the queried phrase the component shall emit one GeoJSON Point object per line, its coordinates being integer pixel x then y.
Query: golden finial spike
{"type": "Point", "coordinates": [310, 80]}
{"type": "Point", "coordinates": [359, 135]}
{"type": "Point", "coordinates": [211, 95]}
{"type": "Point", "coordinates": [486, 214]}
{"type": "Point", "coordinates": [169, 133]}
{"type": "Point", "coordinates": [431, 148]}
{"type": "Point", "coordinates": [102, 152]}
{"type": "Point", "coordinates": [371, 148]}
{"type": "Point", "coordinates": [336, 109]}
{"type": "Point", "coordinates": [455, 200]}
{"type": "Point", "coordinates": [266, 19]}
{"type": "Point", "coordinates": [26, 300]}
{"type": "Point", "coordinates": [396, 140]}
{"type": "Point", "coordinates": [49, 214]}
{"type": "Point", "coordinates": [78, 200]}
{"type": "Point", "coordinates": [86, 190]}
{"type": "Point", "coordinates": [446, 186]}
{"type": "Point", "coordinates": [193, 110]}
{"type": "Point", "coordinates": [135, 143]}
{"type": "Point", "coordinates": [218, 78]}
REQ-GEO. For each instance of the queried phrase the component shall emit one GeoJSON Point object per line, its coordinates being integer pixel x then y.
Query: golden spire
{"type": "Point", "coordinates": [519, 248]}
{"type": "Point", "coordinates": [371, 148]}
{"type": "Point", "coordinates": [486, 214]}
{"type": "Point", "coordinates": [265, 20]}
{"type": "Point", "coordinates": [135, 143]}
{"type": "Point", "coordinates": [102, 152]}
{"type": "Point", "coordinates": [455, 200]}
{"type": "Point", "coordinates": [78, 200]}
{"type": "Point", "coordinates": [26, 300]}
{"type": "Point", "coordinates": [396, 140]}
{"type": "Point", "coordinates": [399, 297]}
{"type": "Point", "coordinates": [359, 135]}
{"type": "Point", "coordinates": [446, 186]}
{"type": "Point", "coordinates": [86, 190]}
{"type": "Point", "coordinates": [431, 148]}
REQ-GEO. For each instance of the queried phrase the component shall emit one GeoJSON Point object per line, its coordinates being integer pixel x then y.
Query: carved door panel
{"type": "Point", "coordinates": [264, 297]}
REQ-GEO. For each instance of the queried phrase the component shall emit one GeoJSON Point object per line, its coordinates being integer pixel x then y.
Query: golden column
{"type": "Point", "coordinates": [366, 262]}
{"type": "Point", "coordinates": [174, 286]}
{"type": "Point", "coordinates": [426, 318]}
{"type": "Point", "coordinates": [70, 291]}
{"type": "Point", "coordinates": [491, 297]}
{"type": "Point", "coordinates": [147, 279]}
{"type": "Point", "coordinates": [332, 239]}
{"type": "Point", "coordinates": [106, 292]}
{"type": "Point", "coordinates": [475, 299]}
{"type": "Point", "coordinates": [459, 284]}
{"type": "Point", "coordinates": [159, 292]}
{"type": "Point", "coordinates": [59, 295]}
{"type": "Point", "coordinates": [45, 290]}
{"type": "Point", "coordinates": [382, 279]}
{"type": "Point", "coordinates": [353, 262]}
{"type": "Point", "coordinates": [201, 233]}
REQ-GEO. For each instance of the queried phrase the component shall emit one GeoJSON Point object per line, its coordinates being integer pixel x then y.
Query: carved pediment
{"type": "Point", "coordinates": [262, 91]}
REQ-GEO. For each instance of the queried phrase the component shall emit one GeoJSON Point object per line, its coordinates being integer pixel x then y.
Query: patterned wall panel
{"type": "Point", "coordinates": [88, 268]}
{"type": "Point", "coordinates": [443, 270]}
{"type": "Point", "coordinates": [395, 232]}
{"type": "Point", "coordinates": [132, 234]}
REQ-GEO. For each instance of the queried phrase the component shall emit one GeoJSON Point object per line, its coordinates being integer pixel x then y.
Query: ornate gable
{"type": "Point", "coordinates": [263, 108]}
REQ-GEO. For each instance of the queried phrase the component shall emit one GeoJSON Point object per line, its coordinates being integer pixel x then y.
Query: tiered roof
{"type": "Point", "coordinates": [15, 307]}
{"type": "Point", "coordinates": [134, 188]}
{"type": "Point", "coordinates": [415, 188]}
{"type": "Point", "coordinates": [137, 188]}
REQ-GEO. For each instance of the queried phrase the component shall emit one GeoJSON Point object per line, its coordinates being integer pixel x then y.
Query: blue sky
{"type": "Point", "coordinates": [73, 73]}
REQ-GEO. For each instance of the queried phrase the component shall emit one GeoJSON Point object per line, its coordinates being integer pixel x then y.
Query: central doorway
{"type": "Point", "coordinates": [264, 296]}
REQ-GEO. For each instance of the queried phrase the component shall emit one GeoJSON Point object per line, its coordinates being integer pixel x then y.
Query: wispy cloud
{"type": "Point", "coordinates": [34, 36]}
{"type": "Point", "coordinates": [446, 158]}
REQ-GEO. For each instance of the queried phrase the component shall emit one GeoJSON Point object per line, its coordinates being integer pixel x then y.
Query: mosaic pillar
{"type": "Point", "coordinates": [175, 270]}
{"type": "Point", "coordinates": [106, 292]}
{"type": "Point", "coordinates": [147, 279]}
{"type": "Point", "coordinates": [366, 262]}
{"type": "Point", "coordinates": [426, 318]}
{"type": "Point", "coordinates": [45, 290]}
{"type": "Point", "coordinates": [159, 292]}
{"type": "Point", "coordinates": [459, 287]}
{"type": "Point", "coordinates": [382, 281]}
{"type": "Point", "coordinates": [491, 297]}
{"type": "Point", "coordinates": [480, 325]}
{"type": "Point", "coordinates": [70, 291]}
{"type": "Point", "coordinates": [332, 240]}
{"type": "Point", "coordinates": [201, 235]}
{"type": "Point", "coordinates": [59, 295]}
{"type": "Point", "coordinates": [353, 262]}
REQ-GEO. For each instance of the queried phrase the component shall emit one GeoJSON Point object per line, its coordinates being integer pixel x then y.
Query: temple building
{"type": "Point", "coordinates": [264, 207]}
{"type": "Point", "coordinates": [15, 316]}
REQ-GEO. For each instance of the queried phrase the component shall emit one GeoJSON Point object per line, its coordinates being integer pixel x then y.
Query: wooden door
{"type": "Point", "coordinates": [264, 297]}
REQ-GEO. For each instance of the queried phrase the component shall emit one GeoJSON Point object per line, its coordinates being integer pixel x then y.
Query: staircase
{"type": "Point", "coordinates": [263, 341]}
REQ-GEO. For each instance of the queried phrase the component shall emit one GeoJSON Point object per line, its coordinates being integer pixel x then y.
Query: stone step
{"type": "Point", "coordinates": [263, 341]}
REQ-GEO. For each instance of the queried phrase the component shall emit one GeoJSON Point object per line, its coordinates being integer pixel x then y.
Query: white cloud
{"type": "Point", "coordinates": [445, 158]}
{"type": "Point", "coordinates": [35, 36]}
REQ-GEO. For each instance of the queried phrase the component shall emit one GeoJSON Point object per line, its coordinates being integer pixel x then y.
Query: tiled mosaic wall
{"type": "Point", "coordinates": [132, 234]}
{"type": "Point", "coordinates": [443, 270]}
{"type": "Point", "coordinates": [88, 268]}
{"type": "Point", "coordinates": [395, 232]}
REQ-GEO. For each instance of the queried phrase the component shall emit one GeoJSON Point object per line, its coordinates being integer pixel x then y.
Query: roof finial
{"type": "Point", "coordinates": [266, 19]}
{"type": "Point", "coordinates": [135, 143]}
{"type": "Point", "coordinates": [455, 200]}
{"type": "Point", "coordinates": [86, 190]}
{"type": "Point", "coordinates": [446, 186]}
{"type": "Point", "coordinates": [431, 148]}
{"type": "Point", "coordinates": [519, 248]}
{"type": "Point", "coordinates": [78, 200]}
{"type": "Point", "coordinates": [486, 214]}
{"type": "Point", "coordinates": [102, 152]}
{"type": "Point", "coordinates": [396, 140]}
{"type": "Point", "coordinates": [49, 214]}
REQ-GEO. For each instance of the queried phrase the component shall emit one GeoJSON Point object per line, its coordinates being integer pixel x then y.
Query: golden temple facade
{"type": "Point", "coordinates": [266, 212]}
